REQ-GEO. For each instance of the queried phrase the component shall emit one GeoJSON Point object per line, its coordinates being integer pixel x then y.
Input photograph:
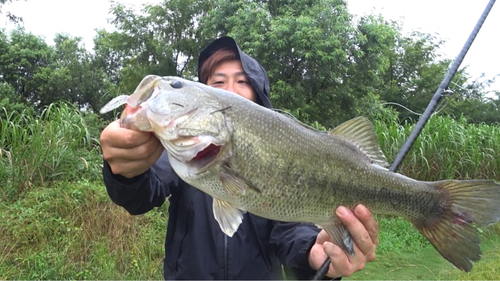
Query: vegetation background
{"type": "Point", "coordinates": [56, 220]}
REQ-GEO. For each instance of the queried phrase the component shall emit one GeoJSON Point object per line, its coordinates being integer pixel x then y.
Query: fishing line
{"type": "Point", "coordinates": [404, 107]}
{"type": "Point", "coordinates": [448, 92]}
{"type": "Point", "coordinates": [320, 274]}
{"type": "Point", "coordinates": [444, 84]}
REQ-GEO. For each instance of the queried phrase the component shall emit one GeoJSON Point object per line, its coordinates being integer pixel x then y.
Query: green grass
{"type": "Point", "coordinates": [74, 231]}
{"type": "Point", "coordinates": [55, 145]}
{"type": "Point", "coordinates": [426, 263]}
{"type": "Point", "coordinates": [445, 149]}
{"type": "Point", "coordinates": [57, 221]}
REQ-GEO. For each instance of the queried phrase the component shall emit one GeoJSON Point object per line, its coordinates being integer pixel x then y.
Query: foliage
{"type": "Point", "coordinates": [474, 103]}
{"type": "Point", "coordinates": [41, 74]}
{"type": "Point", "coordinates": [161, 39]}
{"type": "Point", "coordinates": [25, 55]}
{"type": "Point", "coordinates": [445, 149]}
{"type": "Point", "coordinates": [10, 101]}
{"type": "Point", "coordinates": [38, 150]}
{"type": "Point", "coordinates": [325, 66]}
{"type": "Point", "coordinates": [66, 228]}
{"type": "Point", "coordinates": [415, 74]}
{"type": "Point", "coordinates": [74, 76]}
{"type": "Point", "coordinates": [11, 17]}
{"type": "Point", "coordinates": [73, 231]}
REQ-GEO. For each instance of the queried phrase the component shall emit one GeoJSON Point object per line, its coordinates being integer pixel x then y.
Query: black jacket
{"type": "Point", "coordinates": [195, 247]}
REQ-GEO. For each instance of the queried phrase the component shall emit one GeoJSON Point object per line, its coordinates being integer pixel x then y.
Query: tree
{"type": "Point", "coordinates": [10, 16]}
{"type": "Point", "coordinates": [40, 74]}
{"type": "Point", "coordinates": [469, 98]}
{"type": "Point", "coordinates": [311, 49]}
{"type": "Point", "coordinates": [74, 76]}
{"type": "Point", "coordinates": [324, 66]}
{"type": "Point", "coordinates": [10, 101]}
{"type": "Point", "coordinates": [25, 55]}
{"type": "Point", "coordinates": [162, 39]}
{"type": "Point", "coordinates": [415, 73]}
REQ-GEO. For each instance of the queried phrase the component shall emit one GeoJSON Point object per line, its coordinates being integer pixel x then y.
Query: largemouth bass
{"type": "Point", "coordinates": [250, 158]}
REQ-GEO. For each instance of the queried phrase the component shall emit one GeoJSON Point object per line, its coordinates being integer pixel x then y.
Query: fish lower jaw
{"type": "Point", "coordinates": [204, 157]}
{"type": "Point", "coordinates": [196, 152]}
{"type": "Point", "coordinates": [194, 161]}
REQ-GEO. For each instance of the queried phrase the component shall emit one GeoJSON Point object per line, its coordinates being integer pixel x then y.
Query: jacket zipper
{"type": "Point", "coordinates": [226, 273]}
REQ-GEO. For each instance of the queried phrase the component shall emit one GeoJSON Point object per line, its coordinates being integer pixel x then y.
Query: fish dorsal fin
{"type": "Point", "coordinates": [360, 131]}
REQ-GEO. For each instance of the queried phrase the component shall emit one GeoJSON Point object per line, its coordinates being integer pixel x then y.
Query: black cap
{"type": "Point", "coordinates": [256, 74]}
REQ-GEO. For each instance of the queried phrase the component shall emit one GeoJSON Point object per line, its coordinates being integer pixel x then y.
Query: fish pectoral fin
{"type": "Point", "coordinates": [228, 217]}
{"type": "Point", "coordinates": [234, 182]}
{"type": "Point", "coordinates": [360, 131]}
{"type": "Point", "coordinates": [114, 103]}
{"type": "Point", "coordinates": [340, 236]}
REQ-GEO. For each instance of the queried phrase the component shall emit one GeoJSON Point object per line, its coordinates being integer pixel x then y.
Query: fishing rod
{"type": "Point", "coordinates": [320, 274]}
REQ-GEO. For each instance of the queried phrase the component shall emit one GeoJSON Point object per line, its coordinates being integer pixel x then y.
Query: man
{"type": "Point", "coordinates": [138, 177]}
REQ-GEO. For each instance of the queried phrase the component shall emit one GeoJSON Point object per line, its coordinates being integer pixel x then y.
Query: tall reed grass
{"type": "Point", "coordinates": [56, 145]}
{"type": "Point", "coordinates": [66, 229]}
{"type": "Point", "coordinates": [445, 149]}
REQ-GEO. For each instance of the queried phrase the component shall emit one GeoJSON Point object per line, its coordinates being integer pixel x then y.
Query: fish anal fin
{"type": "Point", "coordinates": [340, 236]}
{"type": "Point", "coordinates": [361, 132]}
{"type": "Point", "coordinates": [228, 217]}
{"type": "Point", "coordinates": [234, 183]}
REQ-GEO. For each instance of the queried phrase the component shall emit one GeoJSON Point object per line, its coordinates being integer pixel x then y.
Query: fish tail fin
{"type": "Point", "coordinates": [467, 204]}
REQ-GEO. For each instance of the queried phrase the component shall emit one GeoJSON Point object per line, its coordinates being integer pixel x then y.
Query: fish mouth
{"type": "Point", "coordinates": [205, 156]}
{"type": "Point", "coordinates": [196, 152]}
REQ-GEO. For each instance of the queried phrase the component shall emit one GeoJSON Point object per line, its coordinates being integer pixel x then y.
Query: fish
{"type": "Point", "coordinates": [254, 159]}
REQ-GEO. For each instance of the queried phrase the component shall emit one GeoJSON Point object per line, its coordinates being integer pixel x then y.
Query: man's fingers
{"type": "Point", "coordinates": [130, 168]}
{"type": "Point", "coordinates": [357, 229]}
{"type": "Point", "coordinates": [366, 218]}
{"type": "Point", "coordinates": [143, 151]}
{"type": "Point", "coordinates": [128, 152]}
{"type": "Point", "coordinates": [338, 260]}
{"type": "Point", "coordinates": [322, 237]}
{"type": "Point", "coordinates": [342, 264]}
{"type": "Point", "coordinates": [115, 136]}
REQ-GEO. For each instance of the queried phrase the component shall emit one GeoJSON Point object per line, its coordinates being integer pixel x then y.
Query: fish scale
{"type": "Point", "coordinates": [271, 165]}
{"type": "Point", "coordinates": [288, 169]}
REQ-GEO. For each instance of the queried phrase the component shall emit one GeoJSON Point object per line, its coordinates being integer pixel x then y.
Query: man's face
{"type": "Point", "coordinates": [229, 75]}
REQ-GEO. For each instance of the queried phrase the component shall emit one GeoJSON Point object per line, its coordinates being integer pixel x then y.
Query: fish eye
{"type": "Point", "coordinates": [176, 84]}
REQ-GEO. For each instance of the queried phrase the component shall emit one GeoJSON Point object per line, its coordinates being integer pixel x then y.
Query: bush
{"type": "Point", "coordinates": [74, 231]}
{"type": "Point", "coordinates": [445, 149]}
{"type": "Point", "coordinates": [56, 145]}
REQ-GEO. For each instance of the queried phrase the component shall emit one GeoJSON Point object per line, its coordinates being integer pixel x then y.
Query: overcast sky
{"type": "Point", "coordinates": [451, 20]}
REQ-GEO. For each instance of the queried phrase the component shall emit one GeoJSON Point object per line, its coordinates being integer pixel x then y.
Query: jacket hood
{"type": "Point", "coordinates": [256, 74]}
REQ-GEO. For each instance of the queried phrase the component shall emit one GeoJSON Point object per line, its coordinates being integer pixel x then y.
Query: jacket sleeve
{"type": "Point", "coordinates": [142, 193]}
{"type": "Point", "coordinates": [293, 241]}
